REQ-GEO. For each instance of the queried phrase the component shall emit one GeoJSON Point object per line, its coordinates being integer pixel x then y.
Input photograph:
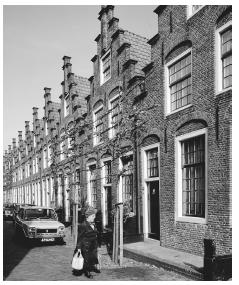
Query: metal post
{"type": "Point", "coordinates": [121, 234]}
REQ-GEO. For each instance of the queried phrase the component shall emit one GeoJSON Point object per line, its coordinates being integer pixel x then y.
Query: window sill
{"type": "Point", "coordinates": [193, 220]}
{"type": "Point", "coordinates": [223, 91]}
{"type": "Point", "coordinates": [152, 179]}
{"type": "Point", "coordinates": [178, 110]}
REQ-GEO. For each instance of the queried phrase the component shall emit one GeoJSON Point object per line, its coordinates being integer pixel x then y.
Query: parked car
{"type": "Point", "coordinates": [17, 207]}
{"type": "Point", "coordinates": [8, 212]}
{"type": "Point", "coordinates": [39, 223]}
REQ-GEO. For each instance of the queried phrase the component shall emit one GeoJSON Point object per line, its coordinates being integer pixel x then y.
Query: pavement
{"type": "Point", "coordinates": [52, 262]}
{"type": "Point", "coordinates": [151, 252]}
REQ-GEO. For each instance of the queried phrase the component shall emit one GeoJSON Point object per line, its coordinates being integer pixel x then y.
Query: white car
{"type": "Point", "coordinates": [39, 223]}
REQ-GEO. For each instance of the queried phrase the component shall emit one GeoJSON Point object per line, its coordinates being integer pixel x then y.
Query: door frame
{"type": "Point", "coordinates": [145, 185]}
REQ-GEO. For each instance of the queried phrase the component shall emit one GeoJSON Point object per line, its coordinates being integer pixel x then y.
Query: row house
{"type": "Point", "coordinates": [151, 128]}
{"type": "Point", "coordinates": [189, 78]}
{"type": "Point", "coordinates": [44, 164]}
{"type": "Point", "coordinates": [109, 157]}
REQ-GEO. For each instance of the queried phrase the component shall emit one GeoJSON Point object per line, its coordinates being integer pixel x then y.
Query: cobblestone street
{"type": "Point", "coordinates": [52, 262]}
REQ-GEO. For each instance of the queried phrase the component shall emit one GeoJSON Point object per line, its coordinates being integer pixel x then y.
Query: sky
{"type": "Point", "coordinates": [35, 38]}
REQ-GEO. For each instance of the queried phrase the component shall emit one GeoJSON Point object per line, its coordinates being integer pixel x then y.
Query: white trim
{"type": "Point", "coordinates": [103, 185]}
{"type": "Point", "coordinates": [94, 126]}
{"type": "Point", "coordinates": [102, 81]}
{"type": "Point", "coordinates": [178, 178]}
{"type": "Point", "coordinates": [218, 61]}
{"type": "Point", "coordinates": [145, 181]}
{"type": "Point", "coordinates": [120, 189]}
{"type": "Point", "coordinates": [167, 99]}
{"type": "Point", "coordinates": [110, 114]}
{"type": "Point", "coordinates": [88, 165]}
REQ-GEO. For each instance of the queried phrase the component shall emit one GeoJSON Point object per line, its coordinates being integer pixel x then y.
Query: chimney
{"type": "Point", "coordinates": [9, 148]}
{"type": "Point", "coordinates": [104, 26]}
{"type": "Point", "coordinates": [19, 136]}
{"type": "Point", "coordinates": [27, 127]}
{"type": "Point", "coordinates": [67, 69]}
{"type": "Point", "coordinates": [6, 153]}
{"type": "Point", "coordinates": [110, 12]}
{"type": "Point", "coordinates": [14, 145]}
{"type": "Point", "coordinates": [35, 113]}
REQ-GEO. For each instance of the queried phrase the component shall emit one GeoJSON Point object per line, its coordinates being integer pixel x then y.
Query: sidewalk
{"type": "Point", "coordinates": [151, 252]}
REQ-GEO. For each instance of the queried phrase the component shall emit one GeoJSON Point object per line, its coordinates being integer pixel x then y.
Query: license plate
{"type": "Point", "coordinates": [47, 239]}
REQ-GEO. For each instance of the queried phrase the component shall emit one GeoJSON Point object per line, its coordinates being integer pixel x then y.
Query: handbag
{"type": "Point", "coordinates": [77, 261]}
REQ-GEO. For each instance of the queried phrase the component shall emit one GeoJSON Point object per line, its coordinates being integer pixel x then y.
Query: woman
{"type": "Point", "coordinates": [87, 242]}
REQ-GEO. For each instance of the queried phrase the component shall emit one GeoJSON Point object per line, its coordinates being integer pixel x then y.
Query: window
{"type": "Point", "coordinates": [224, 57]}
{"type": "Point", "coordinates": [127, 180]}
{"type": "Point", "coordinates": [178, 72]}
{"type": "Point", "coordinates": [98, 125]}
{"type": "Point", "coordinates": [193, 9]}
{"type": "Point", "coordinates": [93, 189]}
{"type": "Point", "coordinates": [49, 150]}
{"type": "Point", "coordinates": [44, 158]}
{"type": "Point", "coordinates": [114, 116]}
{"type": "Point", "coordinates": [107, 171]}
{"type": "Point", "coordinates": [61, 151]}
{"type": "Point", "coordinates": [34, 141]}
{"type": "Point", "coordinates": [46, 129]}
{"type": "Point", "coordinates": [192, 176]}
{"type": "Point", "coordinates": [66, 106]}
{"type": "Point", "coordinates": [106, 67]}
{"type": "Point", "coordinates": [152, 163]}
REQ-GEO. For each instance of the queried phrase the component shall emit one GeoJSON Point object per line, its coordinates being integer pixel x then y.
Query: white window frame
{"type": "Point", "coordinates": [103, 185]}
{"type": "Point", "coordinates": [61, 150]}
{"type": "Point", "coordinates": [167, 88]}
{"type": "Point", "coordinates": [88, 165]}
{"type": "Point", "coordinates": [218, 61]}
{"type": "Point", "coordinates": [34, 141]}
{"type": "Point", "coordinates": [178, 178]}
{"type": "Point", "coordinates": [112, 132]}
{"type": "Point", "coordinates": [145, 181]}
{"type": "Point", "coordinates": [44, 157]}
{"type": "Point", "coordinates": [46, 128]}
{"type": "Point", "coordinates": [120, 189]}
{"type": "Point", "coordinates": [66, 110]}
{"type": "Point", "coordinates": [96, 136]}
{"type": "Point", "coordinates": [190, 12]}
{"type": "Point", "coordinates": [48, 156]}
{"type": "Point", "coordinates": [102, 79]}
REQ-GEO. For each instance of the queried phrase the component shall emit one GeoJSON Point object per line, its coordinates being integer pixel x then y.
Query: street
{"type": "Point", "coordinates": [48, 262]}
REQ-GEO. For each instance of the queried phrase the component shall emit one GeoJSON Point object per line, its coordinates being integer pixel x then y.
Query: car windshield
{"type": "Point", "coordinates": [39, 213]}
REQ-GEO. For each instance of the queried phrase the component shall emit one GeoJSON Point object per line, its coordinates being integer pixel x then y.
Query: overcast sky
{"type": "Point", "coordinates": [35, 38]}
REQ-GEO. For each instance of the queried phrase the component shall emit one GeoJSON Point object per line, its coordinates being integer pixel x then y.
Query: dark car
{"type": "Point", "coordinates": [8, 210]}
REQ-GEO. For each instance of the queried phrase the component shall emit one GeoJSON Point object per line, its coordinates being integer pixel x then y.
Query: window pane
{"type": "Point", "coordinates": [193, 177]}
{"type": "Point", "coordinates": [180, 90]}
{"type": "Point", "coordinates": [152, 163]}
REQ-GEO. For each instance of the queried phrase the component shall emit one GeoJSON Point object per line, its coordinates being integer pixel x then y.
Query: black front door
{"type": "Point", "coordinates": [154, 226]}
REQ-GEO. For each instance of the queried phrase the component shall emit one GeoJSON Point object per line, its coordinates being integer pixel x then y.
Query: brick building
{"type": "Point", "coordinates": [189, 78]}
{"type": "Point", "coordinates": [41, 164]}
{"type": "Point", "coordinates": [151, 126]}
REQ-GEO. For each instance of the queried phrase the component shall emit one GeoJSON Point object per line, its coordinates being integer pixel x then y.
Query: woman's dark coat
{"type": "Point", "coordinates": [88, 244]}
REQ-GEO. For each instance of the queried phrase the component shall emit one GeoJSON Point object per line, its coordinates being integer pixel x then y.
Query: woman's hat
{"type": "Point", "coordinates": [90, 211]}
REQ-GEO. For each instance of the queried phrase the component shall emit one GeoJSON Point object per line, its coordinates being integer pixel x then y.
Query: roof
{"type": "Point", "coordinates": [82, 90]}
{"type": "Point", "coordinates": [140, 50]}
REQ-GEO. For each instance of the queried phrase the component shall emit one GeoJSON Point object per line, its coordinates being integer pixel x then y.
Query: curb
{"type": "Point", "coordinates": [166, 265]}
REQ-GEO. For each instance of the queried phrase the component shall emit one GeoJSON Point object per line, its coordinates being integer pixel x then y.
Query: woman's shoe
{"type": "Point", "coordinates": [88, 275]}
{"type": "Point", "coordinates": [97, 270]}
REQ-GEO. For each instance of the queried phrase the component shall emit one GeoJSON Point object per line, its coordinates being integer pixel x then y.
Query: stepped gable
{"type": "Point", "coordinates": [82, 89]}
{"type": "Point", "coordinates": [140, 50]}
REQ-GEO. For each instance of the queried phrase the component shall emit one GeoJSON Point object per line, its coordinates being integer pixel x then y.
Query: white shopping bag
{"type": "Point", "coordinates": [77, 261]}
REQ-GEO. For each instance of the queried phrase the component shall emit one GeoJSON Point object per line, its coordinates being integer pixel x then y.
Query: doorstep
{"type": "Point", "coordinates": [151, 252]}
